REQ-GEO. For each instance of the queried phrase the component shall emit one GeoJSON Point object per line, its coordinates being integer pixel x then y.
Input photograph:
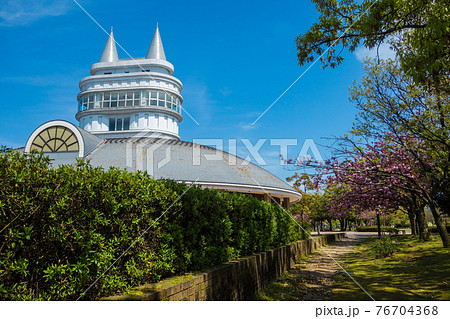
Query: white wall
{"type": "Point", "coordinates": [138, 122]}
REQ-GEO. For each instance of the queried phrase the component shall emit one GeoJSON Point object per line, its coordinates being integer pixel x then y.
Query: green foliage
{"type": "Point", "coordinates": [313, 205]}
{"type": "Point", "coordinates": [397, 219]}
{"type": "Point", "coordinates": [382, 248]}
{"type": "Point", "coordinates": [434, 230]}
{"type": "Point", "coordinates": [417, 31]}
{"type": "Point", "coordinates": [302, 183]}
{"type": "Point", "coordinates": [60, 229]}
{"type": "Point", "coordinates": [386, 229]}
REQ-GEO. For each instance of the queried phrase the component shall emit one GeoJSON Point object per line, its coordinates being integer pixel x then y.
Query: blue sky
{"type": "Point", "coordinates": [233, 57]}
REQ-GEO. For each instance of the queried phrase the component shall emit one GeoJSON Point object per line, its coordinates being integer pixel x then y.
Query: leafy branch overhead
{"type": "Point", "coordinates": [418, 31]}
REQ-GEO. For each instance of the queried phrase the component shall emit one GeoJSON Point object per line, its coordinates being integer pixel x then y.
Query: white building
{"type": "Point", "coordinates": [129, 111]}
{"type": "Point", "coordinates": [124, 96]}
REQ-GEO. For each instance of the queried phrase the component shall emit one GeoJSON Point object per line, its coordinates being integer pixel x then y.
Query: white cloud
{"type": "Point", "coordinates": [22, 12]}
{"type": "Point", "coordinates": [383, 52]}
{"type": "Point", "coordinates": [245, 126]}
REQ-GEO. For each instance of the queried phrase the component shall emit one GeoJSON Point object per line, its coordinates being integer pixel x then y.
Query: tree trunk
{"type": "Point", "coordinates": [412, 221]}
{"type": "Point", "coordinates": [378, 225]}
{"type": "Point", "coordinates": [424, 234]}
{"type": "Point", "coordinates": [440, 226]}
{"type": "Point", "coordinates": [343, 223]}
{"type": "Point", "coordinates": [418, 208]}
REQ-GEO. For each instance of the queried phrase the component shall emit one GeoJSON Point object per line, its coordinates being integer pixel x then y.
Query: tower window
{"type": "Point", "coordinates": [126, 123]}
{"type": "Point", "coordinates": [114, 99]}
{"type": "Point", "coordinates": [124, 98]}
{"type": "Point", "coordinates": [112, 124]}
{"type": "Point", "coordinates": [144, 100]}
{"type": "Point", "coordinates": [106, 99]}
{"type": "Point", "coordinates": [119, 124]}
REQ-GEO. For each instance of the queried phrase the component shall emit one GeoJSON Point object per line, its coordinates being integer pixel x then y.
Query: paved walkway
{"type": "Point", "coordinates": [317, 272]}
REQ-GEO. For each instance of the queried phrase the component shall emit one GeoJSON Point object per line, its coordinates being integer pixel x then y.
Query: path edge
{"type": "Point", "coordinates": [240, 279]}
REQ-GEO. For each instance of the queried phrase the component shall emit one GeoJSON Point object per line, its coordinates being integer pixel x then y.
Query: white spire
{"type": "Point", "coordinates": [110, 52]}
{"type": "Point", "coordinates": [156, 50]}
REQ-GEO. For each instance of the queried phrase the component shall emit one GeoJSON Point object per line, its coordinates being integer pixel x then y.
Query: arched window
{"type": "Point", "coordinates": [56, 139]}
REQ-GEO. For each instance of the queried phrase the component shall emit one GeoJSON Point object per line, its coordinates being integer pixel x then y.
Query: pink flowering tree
{"type": "Point", "coordinates": [390, 101]}
{"type": "Point", "coordinates": [407, 165]}
{"type": "Point", "coordinates": [382, 176]}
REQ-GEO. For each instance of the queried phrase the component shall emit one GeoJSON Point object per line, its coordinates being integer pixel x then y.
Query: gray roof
{"type": "Point", "coordinates": [90, 140]}
{"type": "Point", "coordinates": [156, 50]}
{"type": "Point", "coordinates": [181, 161]}
{"type": "Point", "coordinates": [110, 52]}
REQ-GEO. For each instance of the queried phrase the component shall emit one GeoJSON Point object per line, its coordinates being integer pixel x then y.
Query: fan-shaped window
{"type": "Point", "coordinates": [56, 139]}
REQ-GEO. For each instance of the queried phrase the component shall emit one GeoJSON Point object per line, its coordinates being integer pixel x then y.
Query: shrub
{"type": "Point", "coordinates": [60, 229]}
{"type": "Point", "coordinates": [383, 247]}
{"type": "Point", "coordinates": [386, 229]}
{"type": "Point", "coordinates": [433, 229]}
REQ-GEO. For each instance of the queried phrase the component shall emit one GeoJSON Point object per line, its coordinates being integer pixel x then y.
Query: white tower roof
{"type": "Point", "coordinates": [124, 97]}
{"type": "Point", "coordinates": [156, 50]}
{"type": "Point", "coordinates": [110, 52]}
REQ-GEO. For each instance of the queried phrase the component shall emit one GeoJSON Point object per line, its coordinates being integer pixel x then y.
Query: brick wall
{"type": "Point", "coordinates": [236, 280]}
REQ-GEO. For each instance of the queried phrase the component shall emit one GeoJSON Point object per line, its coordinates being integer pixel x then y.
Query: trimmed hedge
{"type": "Point", "coordinates": [387, 229]}
{"type": "Point", "coordinates": [60, 229]}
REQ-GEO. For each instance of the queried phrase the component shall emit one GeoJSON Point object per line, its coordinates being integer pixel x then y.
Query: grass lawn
{"type": "Point", "coordinates": [417, 271]}
{"type": "Point", "coordinates": [289, 286]}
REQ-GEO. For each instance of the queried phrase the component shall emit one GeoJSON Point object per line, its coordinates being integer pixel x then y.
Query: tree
{"type": "Point", "coordinates": [312, 206]}
{"type": "Point", "coordinates": [418, 121]}
{"type": "Point", "coordinates": [382, 177]}
{"type": "Point", "coordinates": [417, 30]}
{"type": "Point", "coordinates": [302, 183]}
{"type": "Point", "coordinates": [334, 194]}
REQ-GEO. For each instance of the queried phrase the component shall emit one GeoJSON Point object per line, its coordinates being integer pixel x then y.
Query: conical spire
{"type": "Point", "coordinates": [156, 50]}
{"type": "Point", "coordinates": [110, 52]}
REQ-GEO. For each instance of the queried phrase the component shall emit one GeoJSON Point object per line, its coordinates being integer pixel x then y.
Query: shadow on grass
{"type": "Point", "coordinates": [419, 272]}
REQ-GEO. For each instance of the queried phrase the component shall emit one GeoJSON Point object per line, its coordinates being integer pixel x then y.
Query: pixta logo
{"type": "Point", "coordinates": [252, 151]}
{"type": "Point", "coordinates": [151, 152]}
{"type": "Point", "coordinates": [147, 152]}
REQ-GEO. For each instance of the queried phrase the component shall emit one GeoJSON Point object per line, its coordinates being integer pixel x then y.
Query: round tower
{"type": "Point", "coordinates": [123, 97]}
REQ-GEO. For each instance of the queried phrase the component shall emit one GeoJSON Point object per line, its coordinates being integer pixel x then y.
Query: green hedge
{"type": "Point", "coordinates": [61, 228]}
{"type": "Point", "coordinates": [387, 229]}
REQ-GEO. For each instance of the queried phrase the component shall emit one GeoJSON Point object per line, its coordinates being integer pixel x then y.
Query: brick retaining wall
{"type": "Point", "coordinates": [236, 280]}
